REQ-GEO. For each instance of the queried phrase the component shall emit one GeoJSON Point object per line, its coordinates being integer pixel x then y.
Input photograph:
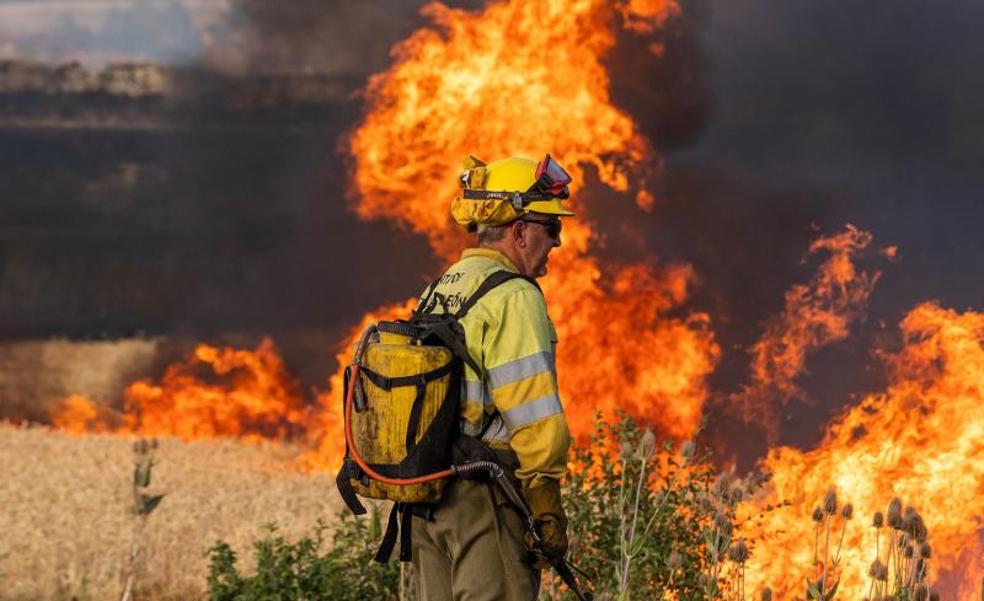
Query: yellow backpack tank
{"type": "Point", "coordinates": [406, 413]}
{"type": "Point", "coordinates": [402, 409]}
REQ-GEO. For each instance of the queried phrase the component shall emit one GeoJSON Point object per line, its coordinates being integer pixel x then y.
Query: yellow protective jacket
{"type": "Point", "coordinates": [509, 334]}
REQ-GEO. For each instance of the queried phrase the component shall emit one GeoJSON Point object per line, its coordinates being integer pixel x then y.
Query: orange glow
{"type": "Point", "coordinates": [815, 315]}
{"type": "Point", "coordinates": [527, 78]}
{"type": "Point", "coordinates": [328, 429]}
{"type": "Point", "coordinates": [214, 392]}
{"type": "Point", "coordinates": [498, 83]}
{"type": "Point", "coordinates": [79, 415]}
{"type": "Point", "coordinates": [921, 440]}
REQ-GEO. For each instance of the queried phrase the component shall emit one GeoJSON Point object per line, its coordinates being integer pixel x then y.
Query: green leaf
{"type": "Point", "coordinates": [712, 588]}
{"type": "Point", "coordinates": [375, 527]}
{"type": "Point", "coordinates": [813, 590]}
{"type": "Point", "coordinates": [141, 474]}
{"type": "Point", "coordinates": [148, 503]}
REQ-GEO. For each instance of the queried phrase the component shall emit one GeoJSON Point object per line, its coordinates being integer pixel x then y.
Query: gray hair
{"type": "Point", "coordinates": [491, 233]}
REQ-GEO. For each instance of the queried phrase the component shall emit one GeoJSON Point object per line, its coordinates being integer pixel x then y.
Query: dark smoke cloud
{"type": "Point", "coordinates": [826, 114]}
{"type": "Point", "coordinates": [349, 37]}
{"type": "Point", "coordinates": [665, 91]}
{"type": "Point", "coordinates": [345, 37]}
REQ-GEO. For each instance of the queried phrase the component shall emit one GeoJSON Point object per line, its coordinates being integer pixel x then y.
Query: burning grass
{"type": "Point", "coordinates": [65, 522]}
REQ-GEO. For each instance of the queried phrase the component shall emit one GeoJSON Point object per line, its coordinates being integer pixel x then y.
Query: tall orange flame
{"type": "Point", "coordinates": [922, 440]}
{"type": "Point", "coordinates": [526, 78]}
{"type": "Point", "coordinates": [815, 315]}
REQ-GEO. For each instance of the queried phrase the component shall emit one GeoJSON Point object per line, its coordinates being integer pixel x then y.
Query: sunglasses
{"type": "Point", "coordinates": [551, 226]}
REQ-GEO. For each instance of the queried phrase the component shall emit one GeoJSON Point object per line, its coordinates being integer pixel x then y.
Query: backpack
{"type": "Point", "coordinates": [402, 409]}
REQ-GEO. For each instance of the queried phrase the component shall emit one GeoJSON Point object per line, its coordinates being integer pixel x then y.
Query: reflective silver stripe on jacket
{"type": "Point", "coordinates": [531, 411]}
{"type": "Point", "coordinates": [475, 392]}
{"type": "Point", "coordinates": [520, 369]}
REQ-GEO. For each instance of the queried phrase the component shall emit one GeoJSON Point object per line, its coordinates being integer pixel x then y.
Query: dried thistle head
{"type": "Point", "coordinates": [706, 504]}
{"type": "Point", "coordinates": [141, 446]}
{"type": "Point", "coordinates": [830, 502]}
{"type": "Point", "coordinates": [925, 551]}
{"type": "Point", "coordinates": [688, 450]}
{"type": "Point", "coordinates": [722, 521]}
{"type": "Point", "coordinates": [767, 594]}
{"type": "Point", "coordinates": [722, 485]}
{"type": "Point", "coordinates": [917, 528]}
{"type": "Point", "coordinates": [847, 511]}
{"type": "Point", "coordinates": [878, 571]}
{"type": "Point", "coordinates": [817, 515]}
{"type": "Point", "coordinates": [647, 445]}
{"type": "Point", "coordinates": [878, 520]}
{"type": "Point", "coordinates": [737, 494]}
{"type": "Point", "coordinates": [738, 552]}
{"type": "Point", "coordinates": [907, 516]}
{"type": "Point", "coordinates": [675, 560]}
{"type": "Point", "coordinates": [625, 453]}
{"type": "Point", "coordinates": [895, 513]}
{"type": "Point", "coordinates": [921, 592]}
{"type": "Point", "coordinates": [909, 551]}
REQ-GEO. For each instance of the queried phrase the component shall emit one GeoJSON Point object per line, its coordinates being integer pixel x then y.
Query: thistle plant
{"type": "Point", "coordinates": [823, 587]}
{"type": "Point", "coordinates": [652, 521]}
{"type": "Point", "coordinates": [631, 541]}
{"type": "Point", "coordinates": [903, 572]}
{"type": "Point", "coordinates": [143, 505]}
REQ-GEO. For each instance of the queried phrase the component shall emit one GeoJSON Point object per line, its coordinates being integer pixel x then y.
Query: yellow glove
{"type": "Point", "coordinates": [548, 513]}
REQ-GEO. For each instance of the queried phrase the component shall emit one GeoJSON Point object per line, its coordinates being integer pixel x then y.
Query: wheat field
{"type": "Point", "coordinates": [65, 526]}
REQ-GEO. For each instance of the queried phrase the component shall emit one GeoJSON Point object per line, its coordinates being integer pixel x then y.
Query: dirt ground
{"type": "Point", "coordinates": [65, 526]}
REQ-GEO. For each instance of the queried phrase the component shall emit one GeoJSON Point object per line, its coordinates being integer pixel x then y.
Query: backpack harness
{"type": "Point", "coordinates": [403, 439]}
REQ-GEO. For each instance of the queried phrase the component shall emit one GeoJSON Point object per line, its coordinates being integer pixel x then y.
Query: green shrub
{"type": "Point", "coordinates": [304, 571]}
{"type": "Point", "coordinates": [650, 521]}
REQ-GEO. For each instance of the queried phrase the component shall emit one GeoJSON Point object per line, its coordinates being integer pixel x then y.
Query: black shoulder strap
{"type": "Point", "coordinates": [494, 280]}
{"type": "Point", "coordinates": [422, 304]}
{"type": "Point", "coordinates": [446, 333]}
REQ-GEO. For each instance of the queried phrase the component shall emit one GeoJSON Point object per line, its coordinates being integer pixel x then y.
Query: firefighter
{"type": "Point", "coordinates": [474, 545]}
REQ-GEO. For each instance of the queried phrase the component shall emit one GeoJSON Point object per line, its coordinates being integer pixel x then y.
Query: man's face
{"type": "Point", "coordinates": [539, 242]}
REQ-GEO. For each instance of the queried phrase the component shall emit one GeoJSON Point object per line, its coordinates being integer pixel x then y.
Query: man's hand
{"type": "Point", "coordinates": [548, 512]}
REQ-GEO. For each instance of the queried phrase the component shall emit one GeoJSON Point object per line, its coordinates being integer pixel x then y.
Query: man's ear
{"type": "Point", "coordinates": [519, 233]}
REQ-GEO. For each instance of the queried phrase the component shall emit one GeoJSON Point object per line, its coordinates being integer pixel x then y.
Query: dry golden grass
{"type": "Point", "coordinates": [65, 528]}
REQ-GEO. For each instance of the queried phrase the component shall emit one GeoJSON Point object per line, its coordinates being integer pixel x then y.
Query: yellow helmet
{"type": "Point", "coordinates": [503, 191]}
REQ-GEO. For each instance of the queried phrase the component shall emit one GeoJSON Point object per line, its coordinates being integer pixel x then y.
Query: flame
{"type": "Point", "coordinates": [921, 440]}
{"type": "Point", "coordinates": [79, 415]}
{"type": "Point", "coordinates": [214, 392]}
{"type": "Point", "coordinates": [815, 315]}
{"type": "Point", "coordinates": [526, 78]}
{"type": "Point", "coordinates": [329, 448]}
{"type": "Point", "coordinates": [521, 78]}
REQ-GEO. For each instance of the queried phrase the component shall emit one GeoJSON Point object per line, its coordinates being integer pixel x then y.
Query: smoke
{"type": "Point", "coordinates": [34, 374]}
{"type": "Point", "coordinates": [97, 32]}
{"type": "Point", "coordinates": [224, 219]}
{"type": "Point", "coordinates": [346, 38]}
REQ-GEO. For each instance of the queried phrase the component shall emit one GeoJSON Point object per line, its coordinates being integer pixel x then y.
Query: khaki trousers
{"type": "Point", "coordinates": [473, 549]}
